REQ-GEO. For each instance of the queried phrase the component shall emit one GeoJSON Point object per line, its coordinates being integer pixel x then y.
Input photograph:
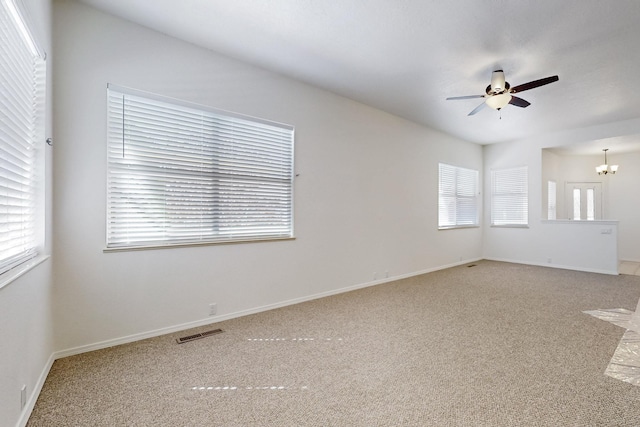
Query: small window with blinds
{"type": "Point", "coordinates": [509, 197]}
{"type": "Point", "coordinates": [22, 103]}
{"type": "Point", "coordinates": [457, 197]}
{"type": "Point", "coordinates": [181, 174]}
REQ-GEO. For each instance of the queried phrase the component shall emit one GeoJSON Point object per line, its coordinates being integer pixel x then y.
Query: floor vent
{"type": "Point", "coordinates": [472, 265]}
{"type": "Point", "coordinates": [198, 336]}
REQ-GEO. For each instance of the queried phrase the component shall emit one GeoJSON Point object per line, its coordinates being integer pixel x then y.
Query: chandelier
{"type": "Point", "coordinates": [605, 168]}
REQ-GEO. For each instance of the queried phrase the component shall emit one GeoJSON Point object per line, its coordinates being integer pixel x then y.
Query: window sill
{"type": "Point", "coordinates": [22, 269]}
{"type": "Point", "coordinates": [454, 227]}
{"type": "Point", "coordinates": [510, 226]}
{"type": "Point", "coordinates": [580, 221]}
{"type": "Point", "coordinates": [189, 245]}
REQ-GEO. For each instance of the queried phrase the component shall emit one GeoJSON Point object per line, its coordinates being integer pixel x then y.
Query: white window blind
{"type": "Point", "coordinates": [457, 197]}
{"type": "Point", "coordinates": [509, 197]}
{"type": "Point", "coordinates": [22, 100]}
{"type": "Point", "coordinates": [180, 173]}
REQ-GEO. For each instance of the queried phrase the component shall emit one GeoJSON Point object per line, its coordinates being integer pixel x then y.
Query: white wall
{"type": "Point", "coordinates": [621, 201]}
{"type": "Point", "coordinates": [365, 200]}
{"type": "Point", "coordinates": [26, 319]}
{"type": "Point", "coordinates": [584, 248]}
{"type": "Point", "coordinates": [26, 333]}
{"type": "Point", "coordinates": [624, 203]}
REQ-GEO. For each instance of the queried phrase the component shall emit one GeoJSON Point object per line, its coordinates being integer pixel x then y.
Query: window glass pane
{"type": "Point", "coordinates": [576, 203]}
{"type": "Point", "coordinates": [551, 200]}
{"type": "Point", "coordinates": [591, 208]}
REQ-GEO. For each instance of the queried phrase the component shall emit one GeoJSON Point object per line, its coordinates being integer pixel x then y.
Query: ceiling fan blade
{"type": "Point", "coordinates": [519, 102]}
{"type": "Point", "coordinates": [534, 84]}
{"type": "Point", "coordinates": [465, 97]}
{"type": "Point", "coordinates": [478, 108]}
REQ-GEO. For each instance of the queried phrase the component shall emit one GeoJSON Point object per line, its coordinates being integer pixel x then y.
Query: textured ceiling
{"type": "Point", "coordinates": [407, 56]}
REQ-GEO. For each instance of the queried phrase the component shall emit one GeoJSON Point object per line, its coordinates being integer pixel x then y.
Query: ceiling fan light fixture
{"type": "Point", "coordinates": [498, 102]}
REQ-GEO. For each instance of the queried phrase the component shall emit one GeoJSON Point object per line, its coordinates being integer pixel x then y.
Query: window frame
{"type": "Point", "coordinates": [210, 177]}
{"type": "Point", "coordinates": [458, 195]}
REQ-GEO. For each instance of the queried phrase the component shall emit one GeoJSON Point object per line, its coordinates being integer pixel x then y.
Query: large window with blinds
{"type": "Point", "coordinates": [181, 173]}
{"type": "Point", "coordinates": [510, 197]}
{"type": "Point", "coordinates": [457, 197]}
{"type": "Point", "coordinates": [22, 102]}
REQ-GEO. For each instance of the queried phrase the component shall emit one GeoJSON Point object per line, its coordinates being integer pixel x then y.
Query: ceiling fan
{"type": "Point", "coordinates": [500, 93]}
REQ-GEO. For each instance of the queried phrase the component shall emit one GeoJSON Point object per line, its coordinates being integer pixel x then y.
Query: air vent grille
{"type": "Point", "coordinates": [198, 336]}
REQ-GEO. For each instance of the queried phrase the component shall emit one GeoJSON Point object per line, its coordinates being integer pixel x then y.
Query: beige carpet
{"type": "Point", "coordinates": [492, 345]}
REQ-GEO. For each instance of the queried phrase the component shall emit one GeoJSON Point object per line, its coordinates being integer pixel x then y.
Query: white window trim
{"type": "Point", "coordinates": [22, 269]}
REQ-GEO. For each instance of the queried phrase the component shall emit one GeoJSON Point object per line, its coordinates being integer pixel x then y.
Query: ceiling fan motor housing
{"type": "Point", "coordinates": [498, 85]}
{"type": "Point", "coordinates": [493, 91]}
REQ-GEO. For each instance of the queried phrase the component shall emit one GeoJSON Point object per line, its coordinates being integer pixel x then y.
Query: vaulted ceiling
{"type": "Point", "coordinates": [406, 56]}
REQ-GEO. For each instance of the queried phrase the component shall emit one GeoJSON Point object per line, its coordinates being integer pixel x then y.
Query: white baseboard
{"type": "Point", "coordinates": [33, 396]}
{"type": "Point", "coordinates": [563, 267]}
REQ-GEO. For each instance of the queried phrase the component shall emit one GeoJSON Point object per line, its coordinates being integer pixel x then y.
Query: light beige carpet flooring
{"type": "Point", "coordinates": [492, 345]}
